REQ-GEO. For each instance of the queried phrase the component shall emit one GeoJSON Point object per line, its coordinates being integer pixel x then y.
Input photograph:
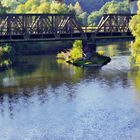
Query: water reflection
{"type": "Point", "coordinates": [38, 73]}
{"type": "Point", "coordinates": [135, 77]}
{"type": "Point", "coordinates": [112, 49]}
{"type": "Point", "coordinates": [47, 99]}
{"type": "Point", "coordinates": [65, 74]}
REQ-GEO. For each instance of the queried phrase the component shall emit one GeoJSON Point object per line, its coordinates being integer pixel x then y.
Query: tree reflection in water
{"type": "Point", "coordinates": [41, 78]}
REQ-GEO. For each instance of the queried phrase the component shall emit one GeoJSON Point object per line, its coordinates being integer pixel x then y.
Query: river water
{"type": "Point", "coordinates": [44, 99]}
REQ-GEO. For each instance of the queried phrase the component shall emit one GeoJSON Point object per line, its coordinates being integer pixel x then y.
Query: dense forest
{"type": "Point", "coordinates": [90, 5]}
{"type": "Point", "coordinates": [88, 13]}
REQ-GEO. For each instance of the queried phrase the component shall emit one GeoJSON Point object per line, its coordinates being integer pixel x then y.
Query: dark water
{"type": "Point", "coordinates": [43, 99]}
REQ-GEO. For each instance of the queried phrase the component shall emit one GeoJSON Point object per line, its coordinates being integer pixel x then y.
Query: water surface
{"type": "Point", "coordinates": [43, 99]}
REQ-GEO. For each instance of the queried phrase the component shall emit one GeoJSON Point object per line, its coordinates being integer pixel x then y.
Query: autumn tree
{"type": "Point", "coordinates": [58, 8]}
{"type": "Point", "coordinates": [12, 4]}
{"type": "Point", "coordinates": [135, 28]}
{"type": "Point", "coordinates": [42, 6]}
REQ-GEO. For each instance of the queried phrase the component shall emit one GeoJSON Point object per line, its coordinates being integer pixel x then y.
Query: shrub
{"type": "Point", "coordinates": [76, 52]}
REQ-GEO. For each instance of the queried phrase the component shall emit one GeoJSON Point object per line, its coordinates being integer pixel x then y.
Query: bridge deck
{"type": "Point", "coordinates": [62, 37]}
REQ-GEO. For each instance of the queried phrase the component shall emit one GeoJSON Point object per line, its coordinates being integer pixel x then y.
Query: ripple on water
{"type": "Point", "coordinates": [86, 104]}
{"type": "Point", "coordinates": [118, 63]}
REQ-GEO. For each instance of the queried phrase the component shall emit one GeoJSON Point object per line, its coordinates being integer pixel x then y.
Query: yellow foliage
{"type": "Point", "coordinates": [138, 59]}
{"type": "Point", "coordinates": [20, 9]}
{"type": "Point", "coordinates": [29, 4]}
{"type": "Point", "coordinates": [58, 8]}
{"type": "Point", "coordinates": [135, 25]}
{"type": "Point", "coordinates": [100, 52]}
{"type": "Point", "coordinates": [135, 28]}
{"type": "Point", "coordinates": [43, 6]}
{"type": "Point", "coordinates": [135, 53]}
{"type": "Point", "coordinates": [34, 9]}
{"type": "Point", "coordinates": [76, 52]}
{"type": "Point", "coordinates": [6, 62]}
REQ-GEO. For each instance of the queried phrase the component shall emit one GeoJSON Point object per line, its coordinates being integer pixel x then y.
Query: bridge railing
{"type": "Point", "coordinates": [89, 29]}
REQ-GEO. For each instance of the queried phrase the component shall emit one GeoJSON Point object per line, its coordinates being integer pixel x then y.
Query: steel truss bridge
{"type": "Point", "coordinates": [60, 27]}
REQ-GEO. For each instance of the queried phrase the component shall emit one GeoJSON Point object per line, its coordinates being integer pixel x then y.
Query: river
{"type": "Point", "coordinates": [44, 99]}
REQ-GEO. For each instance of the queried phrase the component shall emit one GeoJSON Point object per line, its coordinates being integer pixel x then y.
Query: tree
{"type": "Point", "coordinates": [44, 8]}
{"type": "Point", "coordinates": [12, 4]}
{"type": "Point", "coordinates": [135, 28]}
{"type": "Point", "coordinates": [94, 18]}
{"type": "Point", "coordinates": [31, 3]}
{"type": "Point", "coordinates": [58, 8]}
{"type": "Point", "coordinates": [3, 9]}
{"type": "Point", "coordinates": [83, 18]}
{"type": "Point", "coordinates": [78, 9]}
{"type": "Point", "coordinates": [108, 8]}
{"type": "Point", "coordinates": [90, 5]}
{"type": "Point", "coordinates": [21, 9]}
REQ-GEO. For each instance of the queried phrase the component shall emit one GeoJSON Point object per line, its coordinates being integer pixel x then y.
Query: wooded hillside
{"type": "Point", "coordinates": [90, 5]}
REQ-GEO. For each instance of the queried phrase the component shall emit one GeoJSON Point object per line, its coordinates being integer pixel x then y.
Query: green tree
{"type": "Point", "coordinates": [135, 28]}
{"type": "Point", "coordinates": [83, 18]}
{"type": "Point", "coordinates": [76, 52]}
{"type": "Point", "coordinates": [31, 3]}
{"type": "Point", "coordinates": [12, 4]}
{"type": "Point", "coordinates": [58, 8]}
{"type": "Point", "coordinates": [78, 8]}
{"type": "Point", "coordinates": [21, 9]}
{"type": "Point", "coordinates": [108, 8]}
{"type": "Point", "coordinates": [3, 9]}
{"type": "Point", "coordinates": [42, 6]}
{"type": "Point", "coordinates": [90, 5]}
{"type": "Point", "coordinates": [94, 18]}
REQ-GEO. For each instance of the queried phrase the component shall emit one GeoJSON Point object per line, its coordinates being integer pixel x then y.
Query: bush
{"type": "Point", "coordinates": [76, 52]}
{"type": "Point", "coordinates": [73, 54]}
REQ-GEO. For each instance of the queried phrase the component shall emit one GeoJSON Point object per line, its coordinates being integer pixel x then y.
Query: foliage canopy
{"type": "Point", "coordinates": [135, 28]}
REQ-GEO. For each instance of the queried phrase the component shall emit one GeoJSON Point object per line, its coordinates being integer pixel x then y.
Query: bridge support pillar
{"type": "Point", "coordinates": [89, 48]}
{"type": "Point", "coordinates": [92, 47]}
